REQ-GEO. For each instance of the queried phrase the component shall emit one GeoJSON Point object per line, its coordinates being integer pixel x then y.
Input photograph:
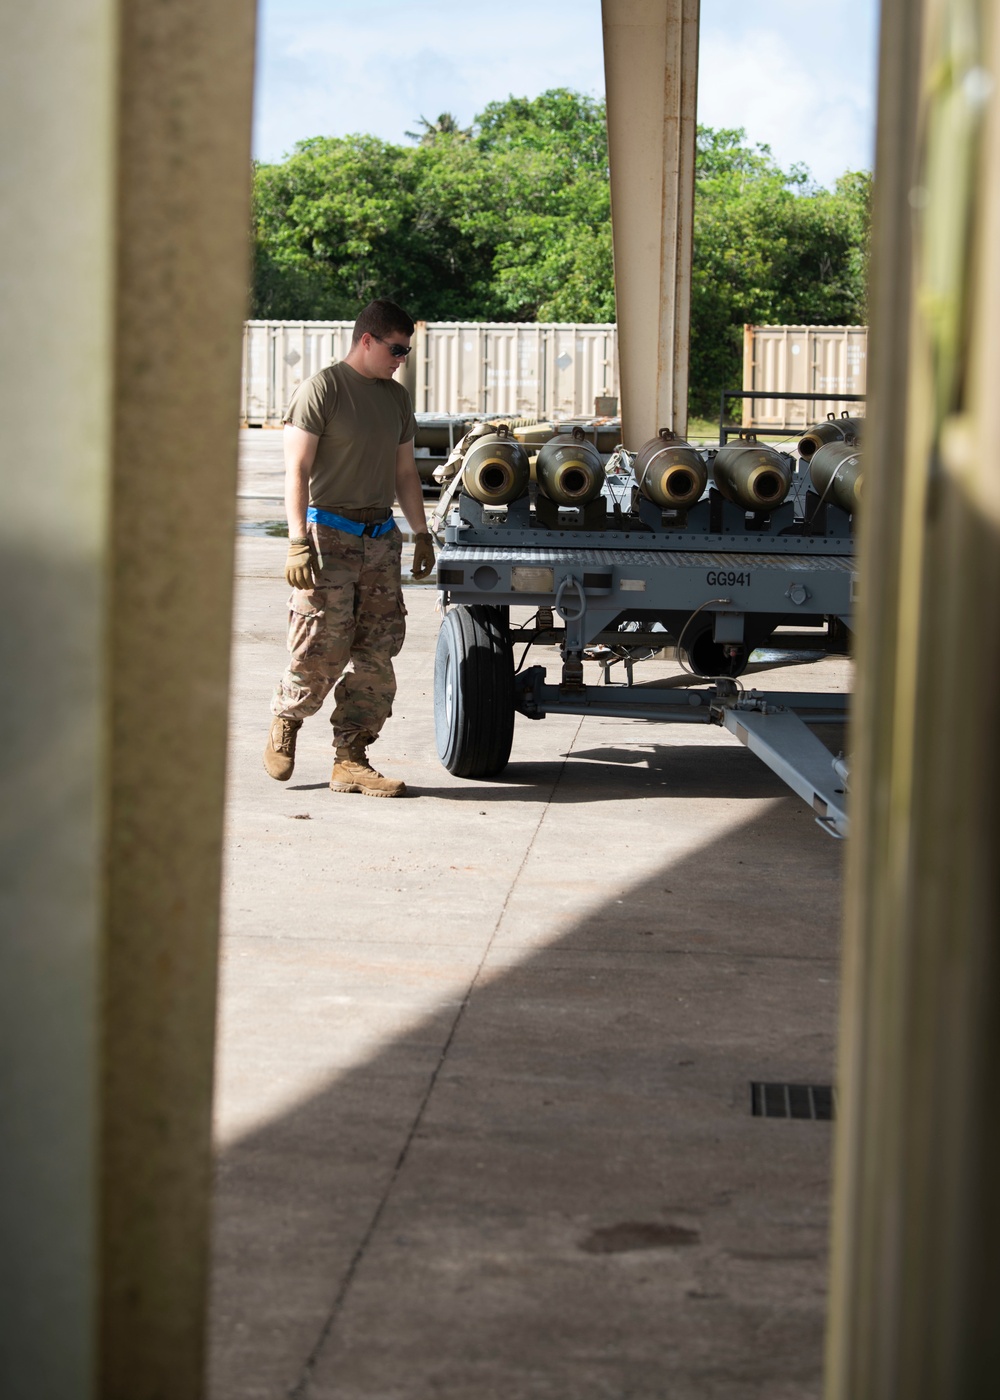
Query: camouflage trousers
{"type": "Point", "coordinates": [344, 633]}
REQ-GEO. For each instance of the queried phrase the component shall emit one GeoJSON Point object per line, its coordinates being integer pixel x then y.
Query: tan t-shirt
{"type": "Point", "coordinates": [359, 422]}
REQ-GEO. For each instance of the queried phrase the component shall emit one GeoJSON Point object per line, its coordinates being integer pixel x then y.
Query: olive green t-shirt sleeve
{"type": "Point", "coordinates": [313, 404]}
{"type": "Point", "coordinates": [410, 422]}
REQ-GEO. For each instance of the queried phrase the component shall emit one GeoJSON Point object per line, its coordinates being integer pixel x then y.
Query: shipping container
{"type": "Point", "coordinates": [517, 369]}
{"type": "Point", "coordinates": [800, 359]}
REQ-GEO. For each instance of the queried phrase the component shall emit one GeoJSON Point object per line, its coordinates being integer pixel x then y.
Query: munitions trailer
{"type": "Point", "coordinates": [650, 556]}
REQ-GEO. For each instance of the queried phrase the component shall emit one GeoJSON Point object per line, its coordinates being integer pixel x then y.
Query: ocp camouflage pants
{"type": "Point", "coordinates": [344, 633]}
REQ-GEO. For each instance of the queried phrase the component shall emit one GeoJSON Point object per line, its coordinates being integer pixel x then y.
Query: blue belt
{"type": "Point", "coordinates": [374, 529]}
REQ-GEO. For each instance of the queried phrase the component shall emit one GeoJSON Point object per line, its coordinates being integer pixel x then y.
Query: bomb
{"type": "Point", "coordinates": [495, 469]}
{"type": "Point", "coordinates": [831, 430]}
{"type": "Point", "coordinates": [835, 472]}
{"type": "Point", "coordinates": [752, 475]}
{"type": "Point", "coordinates": [569, 469]}
{"type": "Point", "coordinates": [669, 472]}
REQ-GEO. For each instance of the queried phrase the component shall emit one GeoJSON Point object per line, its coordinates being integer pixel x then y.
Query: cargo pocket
{"type": "Point", "coordinates": [397, 630]}
{"type": "Point", "coordinates": [306, 623]}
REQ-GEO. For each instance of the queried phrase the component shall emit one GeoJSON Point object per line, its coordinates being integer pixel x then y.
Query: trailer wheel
{"type": "Point", "coordinates": [474, 692]}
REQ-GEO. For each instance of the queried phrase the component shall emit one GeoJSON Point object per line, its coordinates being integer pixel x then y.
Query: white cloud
{"type": "Point", "coordinates": [809, 113]}
{"type": "Point", "coordinates": [380, 68]}
{"type": "Point", "coordinates": [797, 74]}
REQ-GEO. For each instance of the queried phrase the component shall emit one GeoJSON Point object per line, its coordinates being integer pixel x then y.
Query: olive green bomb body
{"type": "Point", "coordinates": [495, 468]}
{"type": "Point", "coordinates": [835, 473]}
{"type": "Point", "coordinates": [752, 475]}
{"type": "Point", "coordinates": [669, 472]}
{"type": "Point", "coordinates": [569, 469]}
{"type": "Point", "coordinates": [830, 430]}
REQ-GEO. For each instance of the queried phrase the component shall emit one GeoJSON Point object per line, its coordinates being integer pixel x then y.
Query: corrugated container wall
{"type": "Point", "coordinates": [279, 355]}
{"type": "Point", "coordinates": [519, 369]}
{"type": "Point", "coordinates": [803, 359]}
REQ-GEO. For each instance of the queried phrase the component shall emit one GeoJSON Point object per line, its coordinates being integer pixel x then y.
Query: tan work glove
{"type": "Point", "coordinates": [423, 554]}
{"type": "Point", "coordinates": [300, 565]}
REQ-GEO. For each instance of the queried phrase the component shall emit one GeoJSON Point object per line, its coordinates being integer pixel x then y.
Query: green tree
{"type": "Point", "coordinates": [552, 228]}
{"type": "Point", "coordinates": [769, 247]}
{"type": "Point", "coordinates": [510, 224]}
{"type": "Point", "coordinates": [513, 222]}
{"type": "Point", "coordinates": [446, 125]}
{"type": "Point", "coordinates": [331, 227]}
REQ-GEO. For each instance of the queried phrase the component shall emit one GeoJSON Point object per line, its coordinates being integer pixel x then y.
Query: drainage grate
{"type": "Point", "coordinates": [813, 1101]}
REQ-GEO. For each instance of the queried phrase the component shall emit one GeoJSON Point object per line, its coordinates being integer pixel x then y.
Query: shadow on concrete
{"type": "Point", "coordinates": [609, 773]}
{"type": "Point", "coordinates": [553, 1189]}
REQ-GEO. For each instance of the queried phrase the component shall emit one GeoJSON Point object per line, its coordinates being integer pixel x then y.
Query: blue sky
{"type": "Point", "coordinates": [797, 74]}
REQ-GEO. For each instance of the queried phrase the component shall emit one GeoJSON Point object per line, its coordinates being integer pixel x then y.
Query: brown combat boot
{"type": "Point", "coordinates": [279, 756]}
{"type": "Point", "coordinates": [353, 773]}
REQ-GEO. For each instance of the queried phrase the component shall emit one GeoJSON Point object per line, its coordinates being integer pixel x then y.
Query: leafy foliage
{"type": "Point", "coordinates": [510, 220]}
{"type": "Point", "coordinates": [769, 248]}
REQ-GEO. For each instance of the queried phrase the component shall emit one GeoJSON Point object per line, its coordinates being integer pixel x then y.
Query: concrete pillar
{"type": "Point", "coordinates": [123, 288]}
{"type": "Point", "coordinates": [916, 1270]}
{"type": "Point", "coordinates": [56, 274]}
{"type": "Point", "coordinates": [651, 74]}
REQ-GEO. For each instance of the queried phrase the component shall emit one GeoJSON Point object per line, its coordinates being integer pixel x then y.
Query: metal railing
{"type": "Point", "coordinates": [728, 430]}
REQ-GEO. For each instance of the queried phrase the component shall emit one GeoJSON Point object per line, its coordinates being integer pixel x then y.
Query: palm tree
{"type": "Point", "coordinates": [446, 125]}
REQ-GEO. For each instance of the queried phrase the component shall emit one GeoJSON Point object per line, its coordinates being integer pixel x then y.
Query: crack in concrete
{"type": "Point", "coordinates": [300, 1390]}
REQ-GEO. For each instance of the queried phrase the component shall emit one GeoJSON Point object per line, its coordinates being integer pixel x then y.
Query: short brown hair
{"type": "Point", "coordinates": [380, 318]}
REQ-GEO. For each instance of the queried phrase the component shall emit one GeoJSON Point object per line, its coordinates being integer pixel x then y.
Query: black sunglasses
{"type": "Point", "coordinates": [398, 352]}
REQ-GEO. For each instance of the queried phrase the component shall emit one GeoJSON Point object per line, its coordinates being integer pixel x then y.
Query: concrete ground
{"type": "Point", "coordinates": [483, 1103]}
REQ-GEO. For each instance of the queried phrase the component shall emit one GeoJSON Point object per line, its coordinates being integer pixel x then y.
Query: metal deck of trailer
{"type": "Point", "coordinates": [638, 585]}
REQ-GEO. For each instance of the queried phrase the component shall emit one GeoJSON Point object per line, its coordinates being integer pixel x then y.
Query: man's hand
{"type": "Point", "coordinates": [423, 554]}
{"type": "Point", "coordinates": [300, 566]}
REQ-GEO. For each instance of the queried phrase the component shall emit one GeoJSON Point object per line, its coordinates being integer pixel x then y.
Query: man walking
{"type": "Point", "coordinates": [348, 441]}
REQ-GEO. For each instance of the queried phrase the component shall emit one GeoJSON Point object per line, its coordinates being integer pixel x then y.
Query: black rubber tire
{"type": "Point", "coordinates": [474, 692]}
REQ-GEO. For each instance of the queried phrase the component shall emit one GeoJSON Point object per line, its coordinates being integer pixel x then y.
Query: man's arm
{"type": "Point", "coordinates": [409, 492]}
{"type": "Point", "coordinates": [300, 454]}
{"type": "Point", "coordinates": [410, 495]}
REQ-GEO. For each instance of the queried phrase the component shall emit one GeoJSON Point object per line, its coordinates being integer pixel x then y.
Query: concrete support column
{"type": "Point", "coordinates": [57, 177]}
{"type": "Point", "coordinates": [125, 208]}
{"type": "Point", "coordinates": [916, 1271]}
{"type": "Point", "coordinates": [184, 169]}
{"type": "Point", "coordinates": [651, 75]}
